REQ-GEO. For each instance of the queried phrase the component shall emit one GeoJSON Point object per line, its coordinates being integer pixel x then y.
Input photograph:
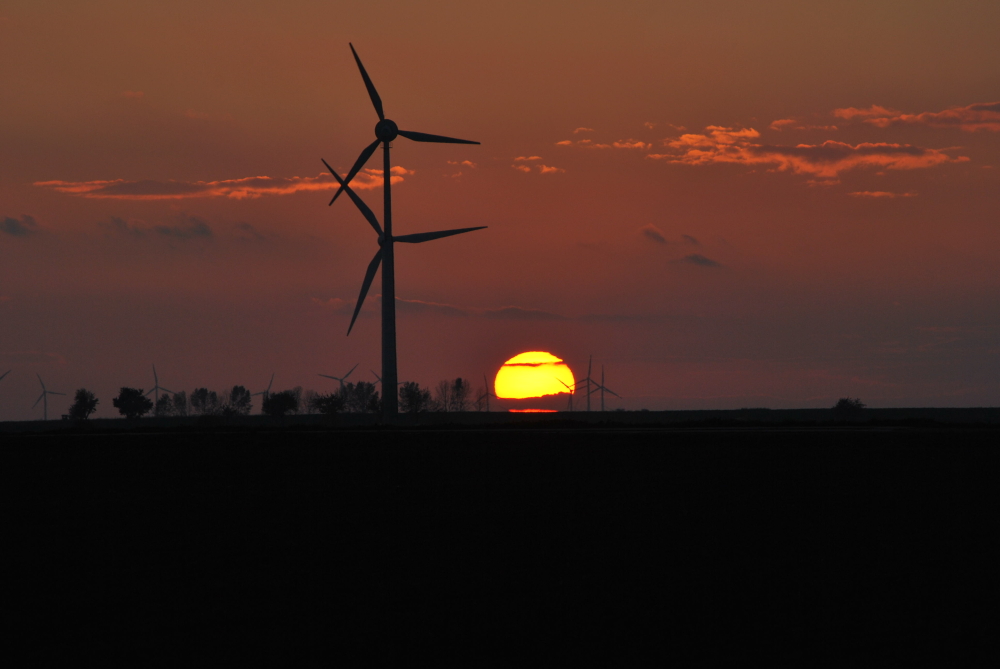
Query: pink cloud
{"type": "Point", "coordinates": [881, 194]}
{"type": "Point", "coordinates": [238, 189]}
{"type": "Point", "coordinates": [826, 160]}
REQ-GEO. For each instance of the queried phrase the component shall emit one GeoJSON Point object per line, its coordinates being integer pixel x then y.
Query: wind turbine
{"type": "Point", "coordinates": [265, 393]}
{"type": "Point", "coordinates": [156, 392]}
{"type": "Point", "coordinates": [340, 378]}
{"type": "Point", "coordinates": [601, 386]}
{"type": "Point", "coordinates": [379, 379]}
{"type": "Point", "coordinates": [386, 131]}
{"type": "Point", "coordinates": [43, 398]}
{"type": "Point", "coordinates": [6, 373]}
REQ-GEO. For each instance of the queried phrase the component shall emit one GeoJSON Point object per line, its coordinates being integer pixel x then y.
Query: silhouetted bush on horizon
{"type": "Point", "coordinates": [132, 403]}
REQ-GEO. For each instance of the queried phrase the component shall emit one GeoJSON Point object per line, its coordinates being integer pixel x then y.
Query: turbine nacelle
{"type": "Point", "coordinates": [386, 130]}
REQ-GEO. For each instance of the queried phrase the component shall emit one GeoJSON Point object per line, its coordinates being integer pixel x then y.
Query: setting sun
{"type": "Point", "coordinates": [533, 374]}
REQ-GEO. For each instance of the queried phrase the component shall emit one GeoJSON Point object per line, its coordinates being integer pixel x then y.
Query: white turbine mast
{"type": "Point", "coordinates": [43, 398]}
{"type": "Point", "coordinates": [156, 392]}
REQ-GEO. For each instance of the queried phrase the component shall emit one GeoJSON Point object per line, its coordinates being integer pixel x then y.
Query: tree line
{"type": "Point", "coordinates": [360, 397]}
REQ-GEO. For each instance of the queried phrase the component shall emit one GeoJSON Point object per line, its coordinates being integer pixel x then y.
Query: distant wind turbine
{"type": "Point", "coordinates": [379, 379]}
{"type": "Point", "coordinates": [340, 378]}
{"type": "Point", "coordinates": [265, 393]}
{"type": "Point", "coordinates": [603, 388]}
{"type": "Point", "coordinates": [43, 398]}
{"type": "Point", "coordinates": [386, 131]}
{"type": "Point", "coordinates": [488, 394]}
{"type": "Point", "coordinates": [156, 392]}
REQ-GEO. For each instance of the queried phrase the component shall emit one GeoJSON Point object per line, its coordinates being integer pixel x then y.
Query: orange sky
{"type": "Point", "coordinates": [730, 204]}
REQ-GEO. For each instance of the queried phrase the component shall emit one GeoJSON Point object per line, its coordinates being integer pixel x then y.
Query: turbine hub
{"type": "Point", "coordinates": [386, 130]}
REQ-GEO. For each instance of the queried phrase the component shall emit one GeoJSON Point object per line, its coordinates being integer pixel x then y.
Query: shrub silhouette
{"type": "Point", "coordinates": [278, 404]}
{"type": "Point", "coordinates": [85, 404]}
{"type": "Point", "coordinates": [848, 408]}
{"type": "Point", "coordinates": [327, 404]}
{"type": "Point", "coordinates": [164, 406]}
{"type": "Point", "coordinates": [131, 403]}
{"type": "Point", "coordinates": [239, 401]}
{"type": "Point", "coordinates": [413, 398]}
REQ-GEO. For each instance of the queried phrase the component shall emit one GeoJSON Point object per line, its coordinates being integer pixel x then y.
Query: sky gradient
{"type": "Point", "coordinates": [770, 204]}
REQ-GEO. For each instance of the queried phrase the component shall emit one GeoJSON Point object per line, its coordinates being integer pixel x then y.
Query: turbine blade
{"type": "Point", "coordinates": [52, 392]}
{"type": "Point", "coordinates": [368, 213]}
{"type": "Point", "coordinates": [372, 93]}
{"type": "Point", "coordinates": [327, 376]}
{"type": "Point", "coordinates": [358, 164]}
{"type": "Point", "coordinates": [270, 382]}
{"type": "Point", "coordinates": [148, 391]}
{"type": "Point", "coordinates": [369, 275]}
{"type": "Point", "coordinates": [38, 400]}
{"type": "Point", "coordinates": [6, 373]}
{"type": "Point", "coordinates": [40, 381]}
{"type": "Point", "coordinates": [428, 236]}
{"type": "Point", "coordinates": [608, 390]}
{"type": "Point", "coordinates": [440, 139]}
{"type": "Point", "coordinates": [162, 389]}
{"type": "Point", "coordinates": [352, 369]}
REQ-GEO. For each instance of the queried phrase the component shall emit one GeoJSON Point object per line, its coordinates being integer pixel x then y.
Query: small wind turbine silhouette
{"type": "Point", "coordinates": [379, 379]}
{"type": "Point", "coordinates": [603, 388]}
{"type": "Point", "coordinates": [156, 392]}
{"type": "Point", "coordinates": [266, 392]}
{"type": "Point", "coordinates": [340, 378]}
{"type": "Point", "coordinates": [386, 131]}
{"type": "Point", "coordinates": [44, 398]}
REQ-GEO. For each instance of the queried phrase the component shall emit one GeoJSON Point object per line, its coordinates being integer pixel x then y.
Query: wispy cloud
{"type": "Point", "coordinates": [698, 259]}
{"type": "Point", "coordinates": [619, 144]}
{"type": "Point", "coordinates": [238, 189]}
{"type": "Point", "coordinates": [137, 95]}
{"type": "Point", "coordinates": [579, 130]}
{"type": "Point", "coordinates": [631, 144]}
{"type": "Point", "coordinates": [546, 169]}
{"type": "Point", "coordinates": [826, 160]}
{"type": "Point", "coordinates": [688, 239]}
{"type": "Point", "coordinates": [652, 232]}
{"type": "Point", "coordinates": [183, 227]}
{"type": "Point", "coordinates": [793, 124]}
{"type": "Point", "coordinates": [978, 116]}
{"type": "Point", "coordinates": [18, 227]}
{"type": "Point", "coordinates": [881, 194]}
{"type": "Point", "coordinates": [526, 158]}
{"type": "Point", "coordinates": [464, 163]}
{"type": "Point", "coordinates": [522, 168]}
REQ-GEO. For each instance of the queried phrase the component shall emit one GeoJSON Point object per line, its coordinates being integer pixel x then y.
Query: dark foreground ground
{"type": "Point", "coordinates": [506, 547]}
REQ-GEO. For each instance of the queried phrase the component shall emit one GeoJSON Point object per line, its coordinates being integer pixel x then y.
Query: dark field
{"type": "Point", "coordinates": [819, 545]}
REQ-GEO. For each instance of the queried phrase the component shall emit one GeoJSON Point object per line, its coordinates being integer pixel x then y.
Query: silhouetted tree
{"type": "Point", "coordinates": [180, 403]}
{"type": "Point", "coordinates": [205, 401]}
{"type": "Point", "coordinates": [327, 404]}
{"type": "Point", "coordinates": [442, 396]}
{"type": "Point", "coordinates": [459, 395]}
{"type": "Point", "coordinates": [84, 404]}
{"type": "Point", "coordinates": [361, 397]}
{"type": "Point", "coordinates": [239, 401]}
{"type": "Point", "coordinates": [278, 404]}
{"type": "Point", "coordinates": [848, 408]}
{"type": "Point", "coordinates": [131, 403]}
{"type": "Point", "coordinates": [413, 398]}
{"type": "Point", "coordinates": [164, 406]}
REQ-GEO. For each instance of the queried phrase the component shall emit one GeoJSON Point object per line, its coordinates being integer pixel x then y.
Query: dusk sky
{"type": "Point", "coordinates": [728, 204]}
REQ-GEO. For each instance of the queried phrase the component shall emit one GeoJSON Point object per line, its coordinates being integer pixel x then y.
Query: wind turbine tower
{"type": "Point", "coordinates": [386, 131]}
{"type": "Point", "coordinates": [265, 393]}
{"type": "Point", "coordinates": [44, 398]}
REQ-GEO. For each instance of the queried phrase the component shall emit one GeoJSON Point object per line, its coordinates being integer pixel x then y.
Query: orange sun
{"type": "Point", "coordinates": [533, 374]}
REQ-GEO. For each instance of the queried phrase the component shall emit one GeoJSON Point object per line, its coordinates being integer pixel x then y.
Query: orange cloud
{"type": "Point", "coordinates": [237, 189]}
{"type": "Point", "coordinates": [979, 116]}
{"type": "Point", "coordinates": [826, 160]}
{"type": "Point", "coordinates": [631, 144]}
{"type": "Point", "coordinates": [579, 130]}
{"type": "Point", "coordinates": [849, 113]}
{"type": "Point", "coordinates": [467, 163]}
{"type": "Point", "coordinates": [526, 158]}
{"type": "Point", "coordinates": [545, 169]}
{"type": "Point", "coordinates": [791, 123]}
{"type": "Point", "coordinates": [522, 168]}
{"type": "Point", "coordinates": [881, 194]}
